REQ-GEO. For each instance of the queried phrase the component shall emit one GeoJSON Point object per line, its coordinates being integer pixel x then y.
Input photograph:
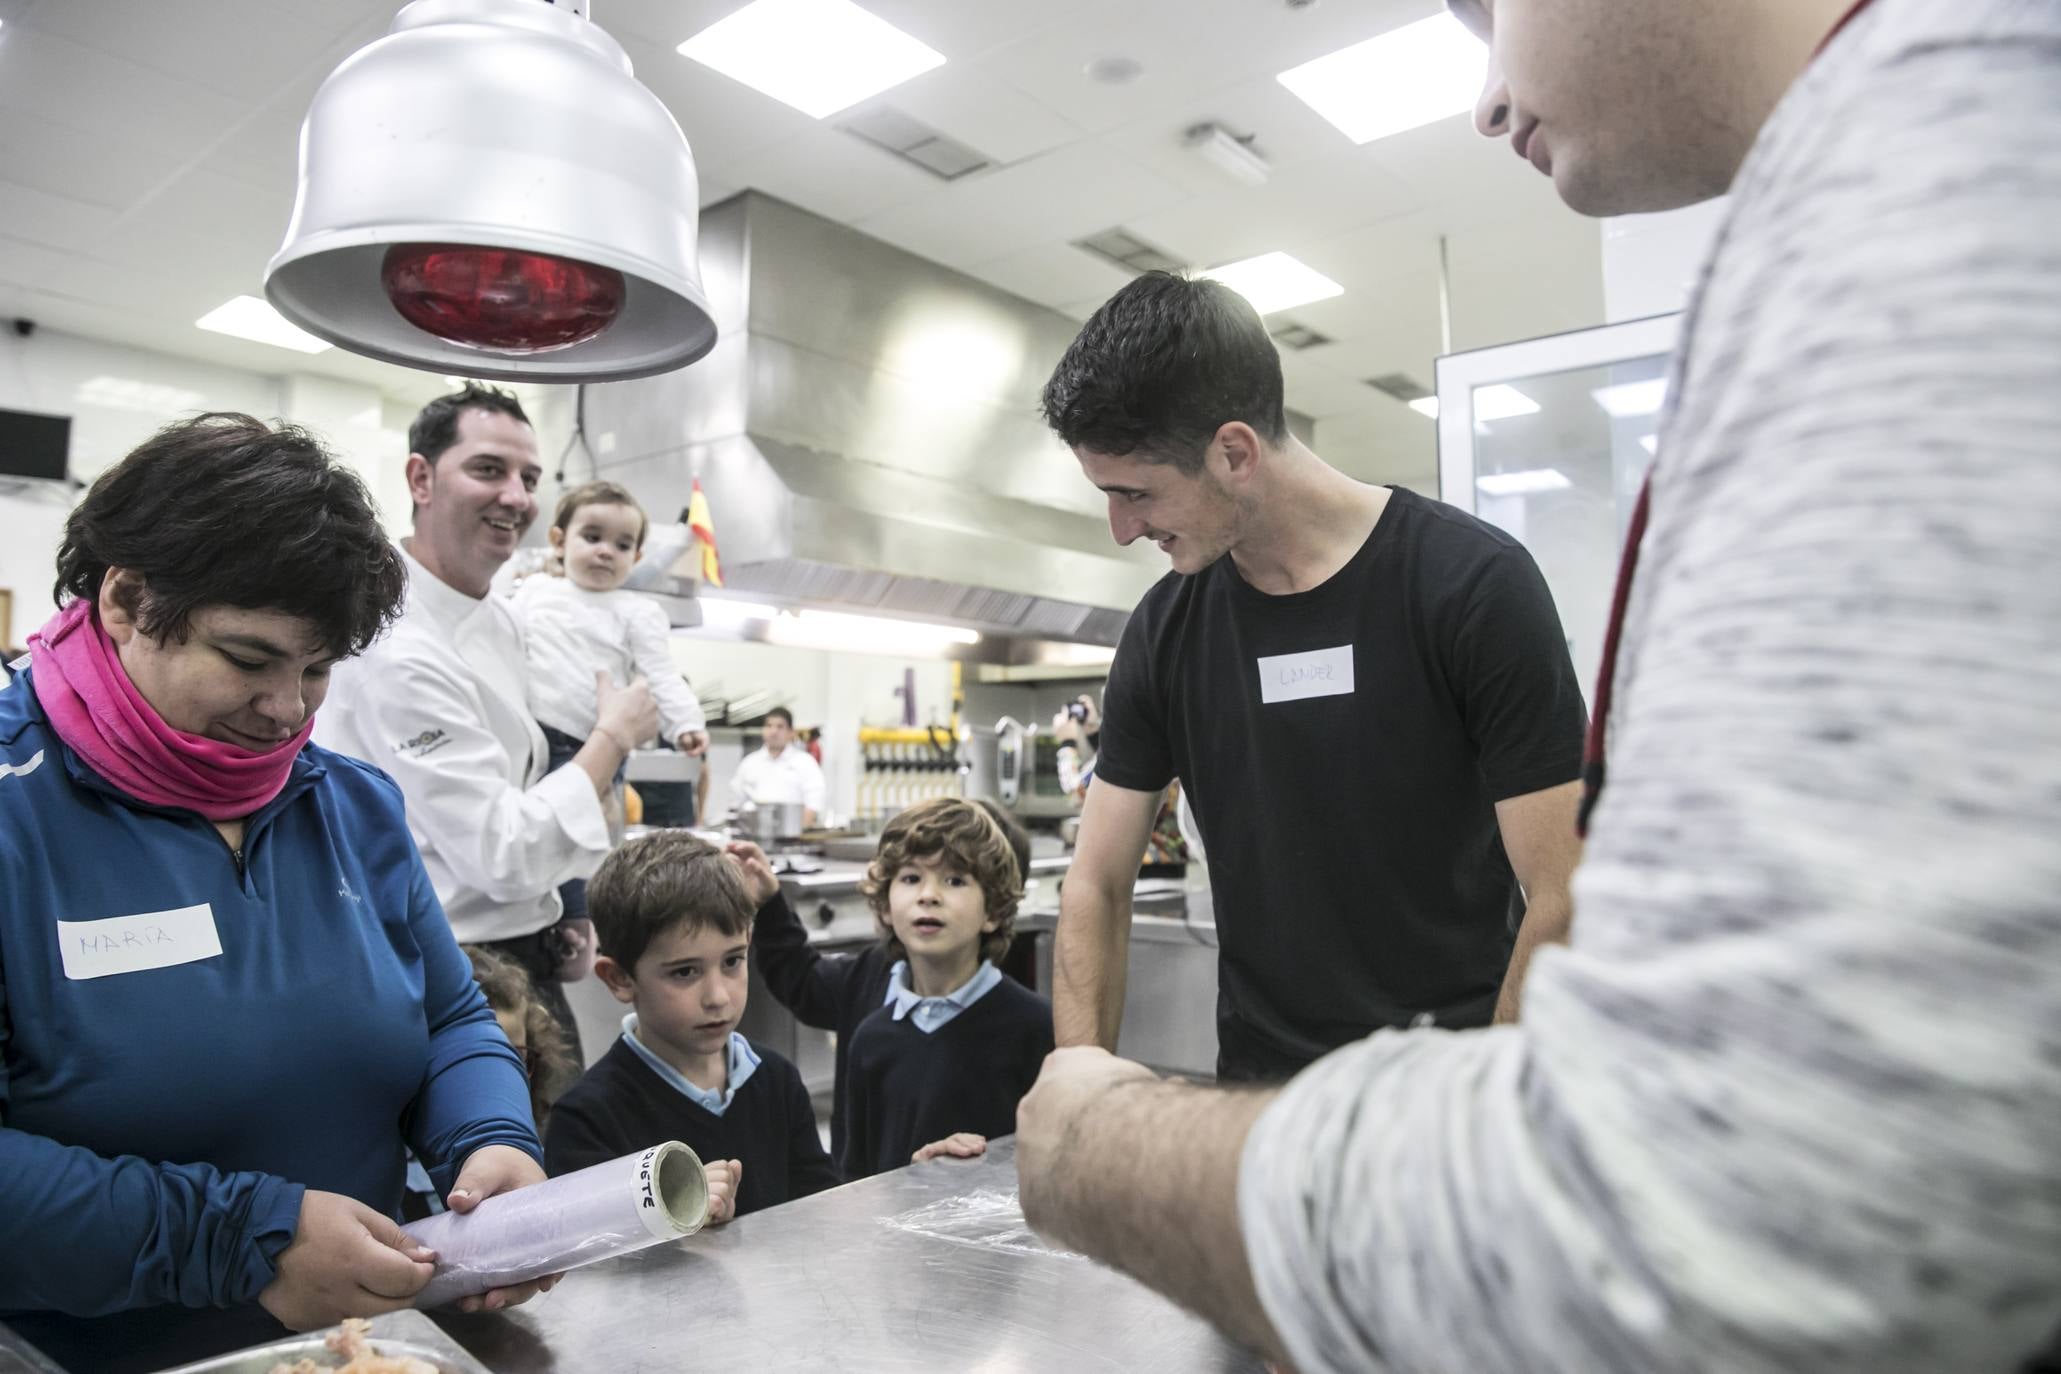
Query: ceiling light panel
{"type": "Point", "coordinates": [820, 56]}
{"type": "Point", "coordinates": [1395, 81]}
{"type": "Point", "coordinates": [1627, 400]}
{"type": "Point", "coordinates": [247, 317]}
{"type": "Point", "coordinates": [1275, 281]}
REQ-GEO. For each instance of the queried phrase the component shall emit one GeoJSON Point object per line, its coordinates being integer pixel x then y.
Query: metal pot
{"type": "Point", "coordinates": [768, 822]}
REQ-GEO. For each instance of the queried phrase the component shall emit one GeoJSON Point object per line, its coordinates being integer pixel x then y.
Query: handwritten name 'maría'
{"type": "Point", "coordinates": [1306, 672]}
{"type": "Point", "coordinates": [150, 937]}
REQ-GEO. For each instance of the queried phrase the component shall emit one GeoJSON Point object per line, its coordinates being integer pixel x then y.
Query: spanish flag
{"type": "Point", "coordinates": [704, 528]}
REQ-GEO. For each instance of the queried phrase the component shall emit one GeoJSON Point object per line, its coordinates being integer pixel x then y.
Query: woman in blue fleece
{"type": "Point", "coordinates": [228, 996]}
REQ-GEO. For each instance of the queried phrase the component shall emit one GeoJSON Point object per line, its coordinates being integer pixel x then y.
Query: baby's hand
{"type": "Point", "coordinates": [961, 1145]}
{"type": "Point", "coordinates": [758, 874]}
{"type": "Point", "coordinates": [723, 1177]}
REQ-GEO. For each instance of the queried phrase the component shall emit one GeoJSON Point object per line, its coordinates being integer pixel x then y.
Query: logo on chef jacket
{"type": "Point", "coordinates": [22, 770]}
{"type": "Point", "coordinates": [426, 743]}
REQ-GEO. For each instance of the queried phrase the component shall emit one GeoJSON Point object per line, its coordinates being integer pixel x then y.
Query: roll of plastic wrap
{"type": "Point", "coordinates": [610, 1209]}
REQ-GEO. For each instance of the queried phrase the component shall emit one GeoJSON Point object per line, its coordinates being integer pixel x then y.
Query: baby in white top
{"type": "Point", "coordinates": [583, 624]}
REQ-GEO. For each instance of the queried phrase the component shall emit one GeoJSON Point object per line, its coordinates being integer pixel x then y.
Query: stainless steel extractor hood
{"type": "Point", "coordinates": [868, 437]}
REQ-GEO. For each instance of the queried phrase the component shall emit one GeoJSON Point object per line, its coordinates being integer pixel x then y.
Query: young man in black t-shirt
{"type": "Point", "coordinates": [1366, 695]}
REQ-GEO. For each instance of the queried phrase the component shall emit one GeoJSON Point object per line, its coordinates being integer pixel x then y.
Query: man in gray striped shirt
{"type": "Point", "coordinates": [1791, 1100]}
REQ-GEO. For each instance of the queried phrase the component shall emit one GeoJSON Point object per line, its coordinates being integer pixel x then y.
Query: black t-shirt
{"type": "Point", "coordinates": [1343, 749]}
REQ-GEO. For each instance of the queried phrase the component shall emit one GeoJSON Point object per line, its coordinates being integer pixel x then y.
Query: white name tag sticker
{"type": "Point", "coordinates": [1312, 673]}
{"type": "Point", "coordinates": [132, 944]}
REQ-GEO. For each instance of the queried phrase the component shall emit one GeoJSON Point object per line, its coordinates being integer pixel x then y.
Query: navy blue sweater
{"type": "Point", "coordinates": [832, 992]}
{"type": "Point", "coordinates": [909, 1087]}
{"type": "Point", "coordinates": [622, 1105]}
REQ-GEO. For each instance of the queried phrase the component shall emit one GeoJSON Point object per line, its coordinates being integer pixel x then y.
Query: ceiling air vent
{"type": "Point", "coordinates": [1400, 385]}
{"type": "Point", "coordinates": [1297, 337]}
{"type": "Point", "coordinates": [889, 129]}
{"type": "Point", "coordinates": [1128, 251]}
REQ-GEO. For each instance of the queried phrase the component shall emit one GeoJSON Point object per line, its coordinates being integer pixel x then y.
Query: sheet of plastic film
{"type": "Point", "coordinates": [610, 1209]}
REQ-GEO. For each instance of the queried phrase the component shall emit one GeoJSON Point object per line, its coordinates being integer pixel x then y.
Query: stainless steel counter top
{"type": "Point", "coordinates": [924, 1268]}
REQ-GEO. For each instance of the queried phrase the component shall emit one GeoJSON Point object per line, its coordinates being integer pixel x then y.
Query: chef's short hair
{"type": "Point", "coordinates": [664, 879]}
{"type": "Point", "coordinates": [785, 715]}
{"type": "Point", "coordinates": [966, 836]}
{"type": "Point", "coordinates": [1164, 364]}
{"type": "Point", "coordinates": [435, 427]}
{"type": "Point", "coordinates": [226, 510]}
{"type": "Point", "coordinates": [599, 494]}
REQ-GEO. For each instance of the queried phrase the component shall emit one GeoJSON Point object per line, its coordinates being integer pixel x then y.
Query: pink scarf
{"type": "Point", "coordinates": [80, 681]}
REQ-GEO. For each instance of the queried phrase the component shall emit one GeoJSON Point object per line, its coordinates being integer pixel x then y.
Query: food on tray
{"type": "Point", "coordinates": [359, 1357]}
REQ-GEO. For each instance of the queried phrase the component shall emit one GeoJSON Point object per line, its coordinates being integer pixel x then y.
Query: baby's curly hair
{"type": "Point", "coordinates": [967, 837]}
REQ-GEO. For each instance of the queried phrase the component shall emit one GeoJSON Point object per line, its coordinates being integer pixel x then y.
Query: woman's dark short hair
{"type": "Point", "coordinates": [664, 879]}
{"type": "Point", "coordinates": [435, 427]}
{"type": "Point", "coordinates": [1164, 364]}
{"type": "Point", "coordinates": [225, 510]}
{"type": "Point", "coordinates": [964, 835]}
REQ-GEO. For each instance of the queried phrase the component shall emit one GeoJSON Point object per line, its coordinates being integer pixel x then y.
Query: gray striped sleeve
{"type": "Point", "coordinates": [1792, 1099]}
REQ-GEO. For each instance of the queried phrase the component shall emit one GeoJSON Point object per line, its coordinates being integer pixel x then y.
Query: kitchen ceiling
{"type": "Point", "coordinates": [147, 166]}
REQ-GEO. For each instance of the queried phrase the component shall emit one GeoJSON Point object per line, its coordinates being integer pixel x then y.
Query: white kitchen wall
{"type": "Point", "coordinates": [839, 692]}
{"type": "Point", "coordinates": [117, 396]}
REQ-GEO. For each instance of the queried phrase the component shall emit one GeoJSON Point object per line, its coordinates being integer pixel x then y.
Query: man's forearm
{"type": "Point", "coordinates": [1547, 921]}
{"type": "Point", "coordinates": [1090, 956]}
{"type": "Point", "coordinates": [1147, 1182]}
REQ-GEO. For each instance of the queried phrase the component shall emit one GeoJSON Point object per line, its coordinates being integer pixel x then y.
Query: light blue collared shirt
{"type": "Point", "coordinates": [932, 1012]}
{"type": "Point", "coordinates": [743, 1060]}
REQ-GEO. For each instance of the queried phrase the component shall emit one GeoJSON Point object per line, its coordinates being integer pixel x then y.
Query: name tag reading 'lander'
{"type": "Point", "coordinates": [1312, 673]}
{"type": "Point", "coordinates": [131, 944]}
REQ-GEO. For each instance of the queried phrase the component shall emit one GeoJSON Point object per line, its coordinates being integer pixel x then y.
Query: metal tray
{"type": "Point", "coordinates": [397, 1333]}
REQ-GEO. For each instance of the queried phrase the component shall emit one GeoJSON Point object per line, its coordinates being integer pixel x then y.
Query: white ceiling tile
{"type": "Point", "coordinates": [45, 76]}
{"type": "Point", "coordinates": [183, 38]}
{"type": "Point", "coordinates": [1060, 196]}
{"type": "Point", "coordinates": [828, 171]}
{"type": "Point", "coordinates": [77, 165]}
{"type": "Point", "coordinates": [718, 115]}
{"type": "Point", "coordinates": [35, 216]}
{"type": "Point", "coordinates": [964, 29]}
{"type": "Point", "coordinates": [1053, 274]}
{"type": "Point", "coordinates": [1302, 207]}
{"type": "Point", "coordinates": [994, 119]}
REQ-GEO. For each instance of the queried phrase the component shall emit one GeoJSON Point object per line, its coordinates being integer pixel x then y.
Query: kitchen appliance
{"type": "Point", "coordinates": [487, 190]}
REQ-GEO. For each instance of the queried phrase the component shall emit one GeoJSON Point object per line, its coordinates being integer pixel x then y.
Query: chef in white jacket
{"type": "Point", "coordinates": [439, 702]}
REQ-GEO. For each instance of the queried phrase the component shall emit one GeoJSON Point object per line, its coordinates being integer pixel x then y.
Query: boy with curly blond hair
{"type": "Point", "coordinates": [940, 1065]}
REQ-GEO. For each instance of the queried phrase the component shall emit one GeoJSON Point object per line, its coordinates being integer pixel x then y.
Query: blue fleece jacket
{"type": "Point", "coordinates": [158, 1125]}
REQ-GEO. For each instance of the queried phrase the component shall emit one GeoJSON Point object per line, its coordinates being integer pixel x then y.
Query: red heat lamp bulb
{"type": "Point", "coordinates": [500, 299]}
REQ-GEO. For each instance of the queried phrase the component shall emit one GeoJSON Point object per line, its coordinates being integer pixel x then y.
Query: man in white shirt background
{"type": "Point", "coordinates": [783, 771]}
{"type": "Point", "coordinates": [439, 703]}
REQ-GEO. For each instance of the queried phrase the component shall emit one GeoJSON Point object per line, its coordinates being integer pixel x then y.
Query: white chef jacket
{"type": "Point", "coordinates": [439, 703]}
{"type": "Point", "coordinates": [570, 633]}
{"type": "Point", "coordinates": [792, 777]}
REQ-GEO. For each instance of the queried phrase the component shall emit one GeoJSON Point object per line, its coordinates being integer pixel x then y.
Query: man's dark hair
{"type": "Point", "coordinates": [1161, 367]}
{"type": "Point", "coordinates": [783, 713]}
{"type": "Point", "coordinates": [436, 426]}
{"type": "Point", "coordinates": [224, 510]}
{"type": "Point", "coordinates": [664, 879]}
